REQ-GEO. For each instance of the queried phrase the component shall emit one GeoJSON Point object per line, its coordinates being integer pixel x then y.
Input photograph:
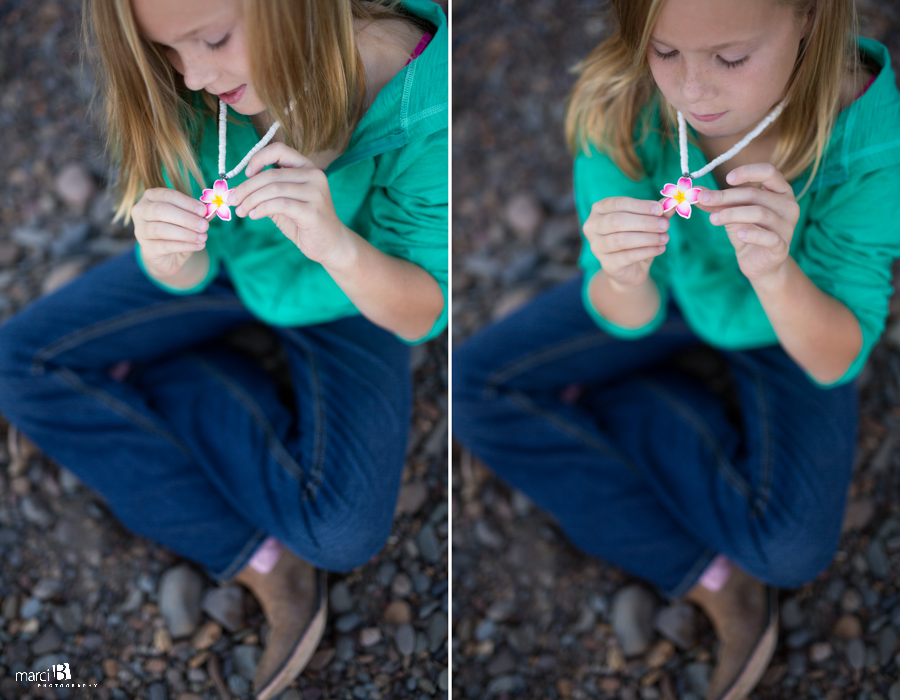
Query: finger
{"type": "Point", "coordinates": [175, 198]}
{"type": "Point", "coordinates": [616, 242]}
{"type": "Point", "coordinates": [276, 154]}
{"type": "Point", "coordinates": [609, 205]}
{"type": "Point", "coordinates": [765, 173]}
{"type": "Point", "coordinates": [715, 200]}
{"type": "Point", "coordinates": [159, 231]}
{"type": "Point", "coordinates": [622, 221]}
{"type": "Point", "coordinates": [761, 237]}
{"type": "Point", "coordinates": [291, 208]}
{"type": "Point", "coordinates": [165, 212]}
{"type": "Point", "coordinates": [274, 190]}
{"type": "Point", "coordinates": [753, 214]}
{"type": "Point", "coordinates": [240, 193]}
{"type": "Point", "coordinates": [618, 261]}
{"type": "Point", "coordinates": [156, 248]}
{"type": "Point", "coordinates": [667, 215]}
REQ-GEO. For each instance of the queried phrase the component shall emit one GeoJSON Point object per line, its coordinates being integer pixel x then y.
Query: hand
{"type": "Point", "coordinates": [625, 235]}
{"type": "Point", "coordinates": [760, 222]}
{"type": "Point", "coordinates": [170, 227]}
{"type": "Point", "coordinates": [297, 199]}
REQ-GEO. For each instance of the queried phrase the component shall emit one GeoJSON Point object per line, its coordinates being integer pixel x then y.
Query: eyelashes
{"type": "Point", "coordinates": [219, 44]}
{"type": "Point", "coordinates": [727, 64]}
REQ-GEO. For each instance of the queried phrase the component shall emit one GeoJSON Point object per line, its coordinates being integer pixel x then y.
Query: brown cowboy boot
{"type": "Point", "coordinates": [292, 597]}
{"type": "Point", "coordinates": [744, 614]}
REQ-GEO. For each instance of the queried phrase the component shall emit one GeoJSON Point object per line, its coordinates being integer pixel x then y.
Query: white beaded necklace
{"type": "Point", "coordinates": [684, 194]}
{"type": "Point", "coordinates": [216, 199]}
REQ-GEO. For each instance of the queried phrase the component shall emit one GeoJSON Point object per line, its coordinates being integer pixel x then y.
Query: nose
{"type": "Point", "coordinates": [696, 85]}
{"type": "Point", "coordinates": [197, 72]}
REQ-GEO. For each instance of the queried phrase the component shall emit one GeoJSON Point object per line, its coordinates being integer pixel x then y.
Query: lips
{"type": "Point", "coordinates": [707, 117]}
{"type": "Point", "coordinates": [232, 96]}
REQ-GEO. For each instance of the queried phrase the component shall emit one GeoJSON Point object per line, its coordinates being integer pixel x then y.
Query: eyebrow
{"type": "Point", "coordinates": [711, 48]}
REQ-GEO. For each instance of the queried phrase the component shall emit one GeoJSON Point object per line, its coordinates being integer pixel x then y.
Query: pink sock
{"type": "Point", "coordinates": [716, 574]}
{"type": "Point", "coordinates": [266, 555]}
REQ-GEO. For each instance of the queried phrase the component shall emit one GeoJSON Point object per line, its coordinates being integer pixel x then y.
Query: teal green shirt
{"type": "Point", "coordinates": [845, 240]}
{"type": "Point", "coordinates": [389, 186]}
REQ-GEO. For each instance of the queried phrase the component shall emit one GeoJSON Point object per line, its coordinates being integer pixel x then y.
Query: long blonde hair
{"type": "Point", "coordinates": [300, 47]}
{"type": "Point", "coordinates": [615, 82]}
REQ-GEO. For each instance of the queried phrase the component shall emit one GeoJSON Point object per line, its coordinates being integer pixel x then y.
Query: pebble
{"type": "Point", "coordinates": [208, 634]}
{"type": "Point", "coordinates": [158, 692]}
{"type": "Point", "coordinates": [894, 692]}
{"type": "Point", "coordinates": [386, 572]}
{"type": "Point", "coordinates": [697, 677]}
{"type": "Point", "coordinates": [180, 589]}
{"type": "Point", "coordinates": [851, 600]}
{"type": "Point", "coordinates": [35, 513]}
{"type": "Point", "coordinates": [796, 666]}
{"type": "Point", "coordinates": [75, 186]}
{"type": "Point", "coordinates": [339, 598]}
{"type": "Point", "coordinates": [856, 653]}
{"type": "Point", "coordinates": [506, 685]}
{"type": "Point", "coordinates": [369, 636]}
{"type": "Point", "coordinates": [225, 605]}
{"type": "Point", "coordinates": [502, 663]}
{"type": "Point", "coordinates": [847, 627]}
{"type": "Point", "coordinates": [523, 639]}
{"type": "Point", "coordinates": [402, 585]}
{"type": "Point", "coordinates": [501, 610]}
{"type": "Point", "coordinates": [238, 685]}
{"type": "Point", "coordinates": [47, 589]}
{"type": "Point", "coordinates": [660, 654]}
{"type": "Point", "coordinates": [437, 631]}
{"type": "Point", "coordinates": [413, 496]}
{"type": "Point", "coordinates": [523, 214]}
{"type": "Point", "coordinates": [819, 652]}
{"type": "Point", "coordinates": [859, 514]}
{"type": "Point", "coordinates": [30, 608]}
{"type": "Point", "coordinates": [346, 623]}
{"type": "Point", "coordinates": [487, 536]}
{"type": "Point", "coordinates": [69, 239]}
{"type": "Point", "coordinates": [678, 623]}
{"type": "Point", "coordinates": [878, 560]}
{"type": "Point", "coordinates": [345, 648]}
{"type": "Point", "coordinates": [429, 547]}
{"type": "Point", "coordinates": [799, 638]}
{"type": "Point", "coordinates": [49, 640]}
{"type": "Point", "coordinates": [246, 657]}
{"type": "Point", "coordinates": [632, 618]}
{"type": "Point", "coordinates": [792, 616]}
{"type": "Point", "coordinates": [887, 645]}
{"type": "Point", "coordinates": [397, 612]}
{"type": "Point", "coordinates": [485, 629]}
{"type": "Point", "coordinates": [405, 637]}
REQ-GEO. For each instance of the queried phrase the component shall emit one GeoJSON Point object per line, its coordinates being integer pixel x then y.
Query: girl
{"type": "Point", "coordinates": [780, 269]}
{"type": "Point", "coordinates": [341, 249]}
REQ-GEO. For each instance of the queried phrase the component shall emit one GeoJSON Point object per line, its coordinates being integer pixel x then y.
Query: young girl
{"type": "Point", "coordinates": [341, 249]}
{"type": "Point", "coordinates": [780, 269]}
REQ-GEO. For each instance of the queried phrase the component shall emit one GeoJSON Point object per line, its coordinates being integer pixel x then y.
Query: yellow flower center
{"type": "Point", "coordinates": [679, 196]}
{"type": "Point", "coordinates": [219, 202]}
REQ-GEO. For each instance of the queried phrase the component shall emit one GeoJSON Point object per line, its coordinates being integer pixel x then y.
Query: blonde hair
{"type": "Point", "coordinates": [300, 47]}
{"type": "Point", "coordinates": [615, 82]}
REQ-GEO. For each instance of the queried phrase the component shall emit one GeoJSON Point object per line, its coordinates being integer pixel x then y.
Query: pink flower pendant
{"type": "Point", "coordinates": [216, 201]}
{"type": "Point", "coordinates": [680, 196]}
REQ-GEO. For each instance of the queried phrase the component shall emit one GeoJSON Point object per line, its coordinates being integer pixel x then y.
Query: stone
{"type": "Point", "coordinates": [502, 663]}
{"type": "Point", "coordinates": [321, 659]}
{"type": "Point", "coordinates": [208, 634]}
{"type": "Point", "coordinates": [238, 685]}
{"type": "Point", "coordinates": [413, 496]}
{"type": "Point", "coordinates": [847, 627]}
{"type": "Point", "coordinates": [660, 654]}
{"type": "Point", "coordinates": [501, 610]}
{"type": "Point", "coordinates": [524, 215]}
{"type": "Point", "coordinates": [405, 638]}
{"type": "Point", "coordinates": [397, 612]}
{"type": "Point", "coordinates": [35, 513]}
{"type": "Point", "coordinates": [180, 590]}
{"type": "Point", "coordinates": [158, 692]}
{"type": "Point", "coordinates": [345, 648]}
{"type": "Point", "coordinates": [697, 677]}
{"type": "Point", "coordinates": [819, 652]}
{"type": "Point", "coordinates": [878, 560]}
{"type": "Point", "coordinates": [894, 692]}
{"type": "Point", "coordinates": [856, 653]}
{"type": "Point", "coordinates": [346, 623]}
{"type": "Point", "coordinates": [402, 585]}
{"type": "Point", "coordinates": [429, 547]}
{"type": "Point", "coordinates": [369, 636]}
{"type": "Point", "coordinates": [851, 600]}
{"type": "Point", "coordinates": [30, 608]}
{"type": "Point", "coordinates": [859, 514]}
{"type": "Point", "coordinates": [678, 623]}
{"type": "Point", "coordinates": [49, 640]}
{"type": "Point", "coordinates": [47, 589]}
{"type": "Point", "coordinates": [437, 631]}
{"type": "Point", "coordinates": [887, 645]}
{"type": "Point", "coordinates": [225, 605]}
{"type": "Point", "coordinates": [339, 598]}
{"type": "Point", "coordinates": [75, 186]}
{"type": "Point", "coordinates": [632, 618]}
{"type": "Point", "coordinates": [246, 657]}
{"type": "Point", "coordinates": [487, 536]}
{"type": "Point", "coordinates": [61, 275]}
{"type": "Point", "coordinates": [69, 618]}
{"type": "Point", "coordinates": [70, 238]}
{"type": "Point", "coordinates": [792, 616]}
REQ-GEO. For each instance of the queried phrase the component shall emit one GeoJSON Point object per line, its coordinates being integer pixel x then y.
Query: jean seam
{"type": "Point", "coordinates": [724, 465]}
{"type": "Point", "coordinates": [764, 491]}
{"type": "Point", "coordinates": [275, 446]}
{"type": "Point", "coordinates": [74, 382]}
{"type": "Point", "coordinates": [693, 574]}
{"type": "Point", "coordinates": [130, 318]}
{"type": "Point", "coordinates": [591, 339]}
{"type": "Point", "coordinates": [240, 559]}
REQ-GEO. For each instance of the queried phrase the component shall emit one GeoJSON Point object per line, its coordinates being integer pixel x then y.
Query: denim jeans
{"type": "Point", "coordinates": [645, 469]}
{"type": "Point", "coordinates": [194, 449]}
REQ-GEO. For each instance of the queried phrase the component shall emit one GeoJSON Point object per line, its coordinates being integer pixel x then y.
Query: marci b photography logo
{"type": "Point", "coordinates": [57, 676]}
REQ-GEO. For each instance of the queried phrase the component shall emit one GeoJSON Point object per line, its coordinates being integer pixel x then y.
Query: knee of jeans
{"type": "Point", "coordinates": [797, 552]}
{"type": "Point", "coordinates": [350, 537]}
{"type": "Point", "coordinates": [16, 357]}
{"type": "Point", "coordinates": [471, 390]}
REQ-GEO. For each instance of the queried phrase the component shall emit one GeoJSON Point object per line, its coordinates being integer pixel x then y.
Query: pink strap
{"type": "Point", "coordinates": [716, 574]}
{"type": "Point", "coordinates": [423, 42]}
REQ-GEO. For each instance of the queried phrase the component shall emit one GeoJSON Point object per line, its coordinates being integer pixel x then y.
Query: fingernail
{"type": "Point", "coordinates": [730, 177]}
{"type": "Point", "coordinates": [231, 198]}
{"type": "Point", "coordinates": [714, 217]}
{"type": "Point", "coordinates": [201, 237]}
{"type": "Point", "coordinates": [658, 210]}
{"type": "Point", "coordinates": [663, 239]}
{"type": "Point", "coordinates": [239, 211]}
{"type": "Point", "coordinates": [203, 225]}
{"type": "Point", "coordinates": [706, 196]}
{"type": "Point", "coordinates": [663, 224]}
{"type": "Point", "coordinates": [201, 211]}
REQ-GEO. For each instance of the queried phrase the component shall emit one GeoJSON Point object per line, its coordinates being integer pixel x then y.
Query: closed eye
{"type": "Point", "coordinates": [727, 64]}
{"type": "Point", "coordinates": [219, 44]}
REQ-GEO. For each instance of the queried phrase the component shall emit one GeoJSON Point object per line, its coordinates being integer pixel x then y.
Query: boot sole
{"type": "Point", "coordinates": [306, 645]}
{"type": "Point", "coordinates": [759, 658]}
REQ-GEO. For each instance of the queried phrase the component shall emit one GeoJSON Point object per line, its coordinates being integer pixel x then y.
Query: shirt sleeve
{"type": "Point", "coordinates": [598, 177]}
{"type": "Point", "coordinates": [410, 219]}
{"type": "Point", "coordinates": [848, 248]}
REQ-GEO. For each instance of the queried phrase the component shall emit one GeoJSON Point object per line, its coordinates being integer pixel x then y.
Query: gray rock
{"type": "Point", "coordinates": [30, 237]}
{"type": "Point", "coordinates": [487, 536]}
{"type": "Point", "coordinates": [158, 692]}
{"type": "Point", "coordinates": [485, 630]}
{"type": "Point", "coordinates": [792, 616]}
{"type": "Point", "coordinates": [524, 215]}
{"type": "Point", "coordinates": [42, 663]}
{"type": "Point", "coordinates": [345, 648]}
{"type": "Point", "coordinates": [443, 681]}
{"type": "Point", "coordinates": [894, 692]}
{"type": "Point", "coordinates": [799, 638]}
{"type": "Point", "coordinates": [75, 186]}
{"type": "Point", "coordinates": [238, 685]}
{"type": "Point", "coordinates": [632, 618]}
{"type": "Point", "coordinates": [502, 664]}
{"type": "Point", "coordinates": [386, 572]}
{"type": "Point", "coordinates": [339, 598]}
{"type": "Point", "coordinates": [10, 607]}
{"type": "Point", "coordinates": [878, 560]}
{"type": "Point", "coordinates": [225, 605]}
{"type": "Point", "coordinates": [47, 589]}
{"type": "Point", "coordinates": [437, 631]}
{"type": "Point", "coordinates": [405, 638]}
{"type": "Point", "coordinates": [72, 236]}
{"type": "Point", "coordinates": [290, 694]}
{"type": "Point", "coordinates": [246, 658]}
{"type": "Point", "coordinates": [796, 664]}
{"type": "Point", "coordinates": [35, 513]}
{"type": "Point", "coordinates": [887, 645]}
{"type": "Point", "coordinates": [429, 547]}
{"type": "Point", "coordinates": [347, 622]}
{"type": "Point", "coordinates": [678, 624]}
{"type": "Point", "coordinates": [49, 640]}
{"type": "Point", "coordinates": [30, 608]}
{"type": "Point", "coordinates": [856, 653]}
{"type": "Point", "coordinates": [520, 503]}
{"type": "Point", "coordinates": [413, 496]}
{"type": "Point", "coordinates": [501, 610]}
{"type": "Point", "coordinates": [523, 639]}
{"type": "Point", "coordinates": [851, 600]}
{"type": "Point", "coordinates": [133, 601]}
{"type": "Point", "coordinates": [180, 589]}
{"type": "Point", "coordinates": [402, 585]}
{"type": "Point", "coordinates": [68, 481]}
{"type": "Point", "coordinates": [506, 684]}
{"type": "Point", "coordinates": [69, 618]}
{"type": "Point", "coordinates": [697, 677]}
{"type": "Point", "coordinates": [421, 643]}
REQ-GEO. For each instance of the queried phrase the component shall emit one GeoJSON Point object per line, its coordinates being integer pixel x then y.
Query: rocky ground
{"type": "Point", "coordinates": [75, 586]}
{"type": "Point", "coordinates": [532, 616]}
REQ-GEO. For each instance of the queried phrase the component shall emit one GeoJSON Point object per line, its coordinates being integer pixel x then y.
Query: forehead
{"type": "Point", "coordinates": [170, 21]}
{"type": "Point", "coordinates": [706, 25]}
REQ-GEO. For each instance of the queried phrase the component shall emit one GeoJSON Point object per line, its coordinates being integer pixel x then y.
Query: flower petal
{"type": "Point", "coordinates": [224, 213]}
{"type": "Point", "coordinates": [221, 187]}
{"type": "Point", "coordinates": [210, 208]}
{"type": "Point", "coordinates": [207, 196]}
{"type": "Point", "coordinates": [669, 203]}
{"type": "Point", "coordinates": [669, 190]}
{"type": "Point", "coordinates": [692, 196]}
{"type": "Point", "coordinates": [684, 183]}
{"type": "Point", "coordinates": [684, 209]}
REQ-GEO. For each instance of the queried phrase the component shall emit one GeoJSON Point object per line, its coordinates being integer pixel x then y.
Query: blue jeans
{"type": "Point", "coordinates": [645, 469]}
{"type": "Point", "coordinates": [194, 449]}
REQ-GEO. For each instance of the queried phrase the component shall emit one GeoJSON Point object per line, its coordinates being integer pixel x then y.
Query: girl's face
{"type": "Point", "coordinates": [205, 42]}
{"type": "Point", "coordinates": [724, 64]}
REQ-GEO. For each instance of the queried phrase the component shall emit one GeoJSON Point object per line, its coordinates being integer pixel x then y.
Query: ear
{"type": "Point", "coordinates": [808, 19]}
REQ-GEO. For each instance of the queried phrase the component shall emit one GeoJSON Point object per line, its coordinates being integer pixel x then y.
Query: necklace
{"type": "Point", "coordinates": [684, 194]}
{"type": "Point", "coordinates": [216, 199]}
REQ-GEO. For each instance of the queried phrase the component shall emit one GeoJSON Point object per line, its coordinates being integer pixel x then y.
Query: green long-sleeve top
{"type": "Point", "coordinates": [389, 186]}
{"type": "Point", "coordinates": [845, 239]}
